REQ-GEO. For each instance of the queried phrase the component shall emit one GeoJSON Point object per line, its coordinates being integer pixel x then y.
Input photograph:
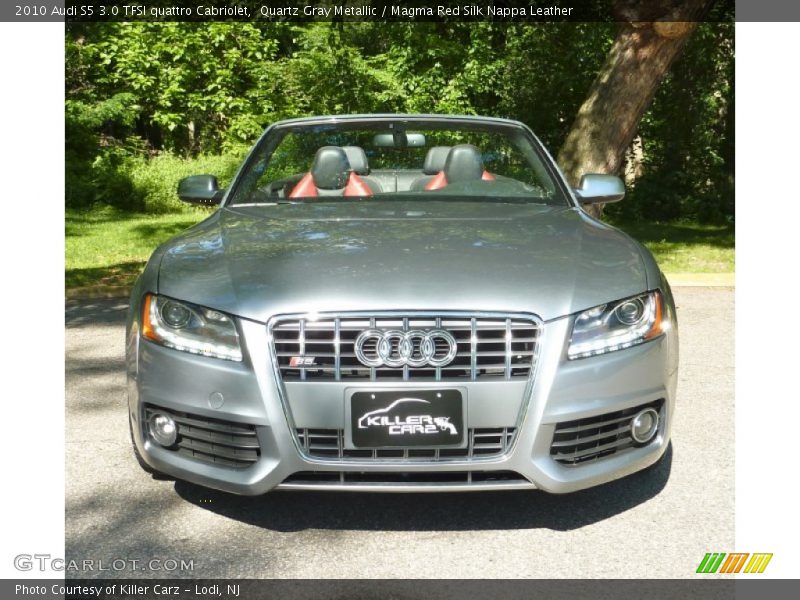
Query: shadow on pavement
{"type": "Point", "coordinates": [296, 511]}
{"type": "Point", "coordinates": [96, 312]}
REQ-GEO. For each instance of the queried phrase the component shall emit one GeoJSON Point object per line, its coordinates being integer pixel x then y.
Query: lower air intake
{"type": "Point", "coordinates": [481, 442]}
{"type": "Point", "coordinates": [393, 478]}
{"type": "Point", "coordinates": [214, 441]}
{"type": "Point", "coordinates": [583, 440]}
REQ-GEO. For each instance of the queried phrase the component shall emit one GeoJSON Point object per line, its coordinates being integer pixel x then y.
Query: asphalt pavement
{"type": "Point", "coordinates": [654, 524]}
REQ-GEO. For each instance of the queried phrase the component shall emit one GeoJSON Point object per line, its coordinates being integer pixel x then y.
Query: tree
{"type": "Point", "coordinates": [135, 91]}
{"type": "Point", "coordinates": [640, 56]}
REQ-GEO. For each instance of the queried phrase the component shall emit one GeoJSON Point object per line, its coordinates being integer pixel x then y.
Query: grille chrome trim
{"type": "Point", "coordinates": [328, 444]}
{"type": "Point", "coordinates": [593, 438]}
{"type": "Point", "coordinates": [508, 349]}
{"type": "Point", "coordinates": [337, 349]}
{"type": "Point", "coordinates": [490, 346]}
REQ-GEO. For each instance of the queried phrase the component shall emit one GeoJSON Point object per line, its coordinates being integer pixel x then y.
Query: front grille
{"type": "Point", "coordinates": [213, 440]}
{"type": "Point", "coordinates": [496, 347]}
{"type": "Point", "coordinates": [584, 440]}
{"type": "Point", "coordinates": [465, 478]}
{"type": "Point", "coordinates": [481, 442]}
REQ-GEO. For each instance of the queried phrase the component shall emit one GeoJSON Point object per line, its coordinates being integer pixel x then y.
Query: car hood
{"type": "Point", "coordinates": [259, 261]}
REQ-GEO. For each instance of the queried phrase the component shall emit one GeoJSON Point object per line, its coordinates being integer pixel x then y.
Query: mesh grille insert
{"type": "Point", "coordinates": [213, 440]}
{"type": "Point", "coordinates": [329, 444]}
{"type": "Point", "coordinates": [583, 440]}
{"type": "Point", "coordinates": [465, 478]}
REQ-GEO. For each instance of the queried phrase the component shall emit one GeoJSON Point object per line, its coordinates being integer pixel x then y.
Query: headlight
{"type": "Point", "coordinates": [617, 325]}
{"type": "Point", "coordinates": [190, 328]}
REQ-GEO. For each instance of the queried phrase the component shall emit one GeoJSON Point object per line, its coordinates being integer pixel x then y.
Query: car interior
{"type": "Point", "coordinates": [345, 171]}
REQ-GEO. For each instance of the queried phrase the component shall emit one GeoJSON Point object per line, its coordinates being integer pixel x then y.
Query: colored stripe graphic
{"type": "Point", "coordinates": [713, 563]}
{"type": "Point", "coordinates": [734, 562]}
{"type": "Point", "coordinates": [701, 567]}
{"type": "Point", "coordinates": [741, 563]}
{"type": "Point", "coordinates": [758, 563]}
{"type": "Point", "coordinates": [710, 562]}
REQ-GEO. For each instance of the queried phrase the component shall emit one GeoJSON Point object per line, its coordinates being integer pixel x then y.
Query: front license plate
{"type": "Point", "coordinates": [407, 418]}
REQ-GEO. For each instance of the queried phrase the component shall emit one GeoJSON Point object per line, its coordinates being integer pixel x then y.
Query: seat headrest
{"type": "Point", "coordinates": [464, 163]}
{"type": "Point", "coordinates": [357, 159]}
{"type": "Point", "coordinates": [435, 159]}
{"type": "Point", "coordinates": [330, 169]}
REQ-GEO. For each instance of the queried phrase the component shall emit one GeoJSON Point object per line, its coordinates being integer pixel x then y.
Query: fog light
{"type": "Point", "coordinates": [162, 429]}
{"type": "Point", "coordinates": [644, 426]}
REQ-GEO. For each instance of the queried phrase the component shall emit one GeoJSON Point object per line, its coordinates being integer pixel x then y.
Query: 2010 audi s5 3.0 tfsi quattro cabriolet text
{"type": "Point", "coordinates": [400, 303]}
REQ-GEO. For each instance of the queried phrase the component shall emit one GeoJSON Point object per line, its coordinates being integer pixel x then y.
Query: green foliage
{"type": "Point", "coordinates": [688, 137]}
{"type": "Point", "coordinates": [94, 155]}
{"type": "Point", "coordinates": [548, 73]}
{"type": "Point", "coordinates": [150, 102]}
{"type": "Point", "coordinates": [155, 180]}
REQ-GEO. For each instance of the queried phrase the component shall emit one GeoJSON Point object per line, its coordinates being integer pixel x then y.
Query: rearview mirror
{"type": "Point", "coordinates": [200, 189]}
{"type": "Point", "coordinates": [597, 189]}
{"type": "Point", "coordinates": [399, 139]}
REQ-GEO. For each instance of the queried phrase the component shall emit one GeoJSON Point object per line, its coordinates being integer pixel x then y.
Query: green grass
{"type": "Point", "coordinates": [109, 247]}
{"type": "Point", "coordinates": [687, 247]}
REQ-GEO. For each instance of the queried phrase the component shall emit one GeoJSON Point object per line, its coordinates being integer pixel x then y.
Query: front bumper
{"type": "Point", "coordinates": [249, 393]}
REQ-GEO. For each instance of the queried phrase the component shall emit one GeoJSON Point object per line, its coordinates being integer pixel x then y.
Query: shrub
{"type": "Point", "coordinates": [98, 147]}
{"type": "Point", "coordinates": [155, 181]}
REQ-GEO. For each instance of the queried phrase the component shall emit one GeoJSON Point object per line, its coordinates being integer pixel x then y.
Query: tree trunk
{"type": "Point", "coordinates": [608, 119]}
{"type": "Point", "coordinates": [632, 167]}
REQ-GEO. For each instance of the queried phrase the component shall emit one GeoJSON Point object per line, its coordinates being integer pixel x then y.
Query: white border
{"type": "Point", "coordinates": [768, 243]}
{"type": "Point", "coordinates": [32, 309]}
{"type": "Point", "coordinates": [767, 299]}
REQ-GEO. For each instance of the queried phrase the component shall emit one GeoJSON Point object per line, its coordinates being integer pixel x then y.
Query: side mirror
{"type": "Point", "coordinates": [597, 189]}
{"type": "Point", "coordinates": [200, 189]}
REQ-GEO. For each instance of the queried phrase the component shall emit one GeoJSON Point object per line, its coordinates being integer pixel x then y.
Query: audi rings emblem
{"type": "Point", "coordinates": [415, 348]}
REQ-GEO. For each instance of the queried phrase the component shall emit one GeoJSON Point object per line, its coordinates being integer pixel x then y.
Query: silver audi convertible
{"type": "Point", "coordinates": [400, 303]}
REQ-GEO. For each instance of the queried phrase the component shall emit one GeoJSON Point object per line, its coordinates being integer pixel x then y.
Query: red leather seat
{"type": "Point", "coordinates": [439, 181]}
{"type": "Point", "coordinates": [330, 175]}
{"type": "Point", "coordinates": [305, 188]}
{"type": "Point", "coordinates": [464, 163]}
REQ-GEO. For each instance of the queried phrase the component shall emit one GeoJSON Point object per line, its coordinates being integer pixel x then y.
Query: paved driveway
{"type": "Point", "coordinates": [653, 524]}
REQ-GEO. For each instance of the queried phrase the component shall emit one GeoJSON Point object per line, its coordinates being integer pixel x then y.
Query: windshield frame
{"type": "Point", "coordinates": [276, 133]}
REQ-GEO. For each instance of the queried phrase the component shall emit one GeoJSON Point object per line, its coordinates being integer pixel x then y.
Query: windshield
{"type": "Point", "coordinates": [425, 160]}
